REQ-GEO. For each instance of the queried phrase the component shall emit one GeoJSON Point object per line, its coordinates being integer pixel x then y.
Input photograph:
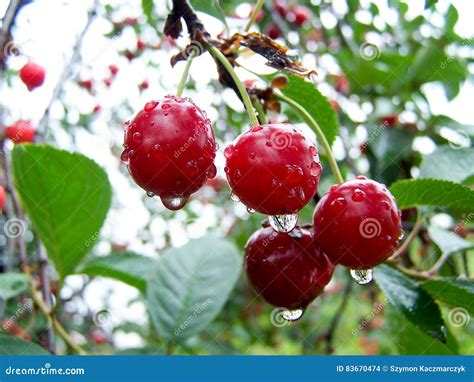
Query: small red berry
{"type": "Point", "coordinates": [32, 75]}
{"type": "Point", "coordinates": [108, 82]}
{"type": "Point", "coordinates": [170, 149]}
{"type": "Point", "coordinates": [342, 84]}
{"type": "Point", "coordinates": [129, 55]}
{"type": "Point", "coordinates": [273, 169]}
{"type": "Point", "coordinates": [96, 109]}
{"type": "Point", "coordinates": [141, 45]}
{"type": "Point", "coordinates": [272, 31]}
{"type": "Point", "coordinates": [287, 269]}
{"type": "Point", "coordinates": [98, 337]}
{"type": "Point", "coordinates": [86, 84]}
{"type": "Point", "coordinates": [2, 197]}
{"type": "Point", "coordinates": [300, 15]}
{"type": "Point", "coordinates": [144, 85]}
{"type": "Point", "coordinates": [21, 132]}
{"type": "Point", "coordinates": [389, 120]}
{"type": "Point", "coordinates": [281, 8]}
{"type": "Point", "coordinates": [357, 223]}
{"type": "Point", "coordinates": [114, 69]}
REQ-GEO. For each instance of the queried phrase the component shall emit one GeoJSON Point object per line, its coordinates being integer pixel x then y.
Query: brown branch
{"type": "Point", "coordinates": [7, 22]}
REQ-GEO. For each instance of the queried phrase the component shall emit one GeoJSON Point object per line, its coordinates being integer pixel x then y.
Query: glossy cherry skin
{"type": "Point", "coordinates": [3, 196]}
{"type": "Point", "coordinates": [32, 75]}
{"type": "Point", "coordinates": [287, 270]}
{"type": "Point", "coordinates": [170, 148]}
{"type": "Point", "coordinates": [357, 223]}
{"type": "Point", "coordinates": [21, 132]}
{"type": "Point", "coordinates": [273, 169]}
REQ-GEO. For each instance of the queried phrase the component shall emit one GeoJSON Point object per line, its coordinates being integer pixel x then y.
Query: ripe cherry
{"type": "Point", "coordinates": [273, 169]}
{"type": "Point", "coordinates": [114, 69]}
{"type": "Point", "coordinates": [272, 31]}
{"type": "Point", "coordinates": [86, 84]}
{"type": "Point", "coordinates": [389, 120]}
{"type": "Point", "coordinates": [144, 85]}
{"type": "Point", "coordinates": [21, 132]}
{"type": "Point", "coordinates": [357, 223]}
{"type": "Point", "coordinates": [170, 149]}
{"type": "Point", "coordinates": [98, 337]}
{"type": "Point", "coordinates": [141, 45]}
{"type": "Point", "coordinates": [287, 270]}
{"type": "Point", "coordinates": [32, 75]}
{"type": "Point", "coordinates": [3, 196]}
{"type": "Point", "coordinates": [300, 15]}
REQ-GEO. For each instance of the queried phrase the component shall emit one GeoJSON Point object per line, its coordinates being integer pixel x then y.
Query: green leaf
{"type": "Point", "coordinates": [147, 7]}
{"type": "Point", "coordinates": [413, 302]}
{"type": "Point", "coordinates": [430, 3]}
{"type": "Point", "coordinates": [211, 7]}
{"type": "Point", "coordinates": [448, 163]}
{"type": "Point", "coordinates": [15, 346]}
{"type": "Point", "coordinates": [409, 340]}
{"type": "Point", "coordinates": [448, 242]}
{"type": "Point", "coordinates": [432, 192]}
{"type": "Point", "coordinates": [454, 292]}
{"type": "Point", "coordinates": [307, 95]}
{"type": "Point", "coordinates": [66, 196]}
{"type": "Point", "coordinates": [128, 267]}
{"type": "Point", "coordinates": [12, 284]}
{"type": "Point", "coordinates": [440, 121]}
{"type": "Point", "coordinates": [189, 286]}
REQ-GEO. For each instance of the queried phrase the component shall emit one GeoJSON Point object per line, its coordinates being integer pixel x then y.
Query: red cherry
{"type": "Point", "coordinates": [273, 169]}
{"type": "Point", "coordinates": [389, 120]}
{"type": "Point", "coordinates": [3, 196]}
{"type": "Point", "coordinates": [86, 84]}
{"type": "Point", "coordinates": [21, 132]}
{"type": "Point", "coordinates": [272, 31]}
{"type": "Point", "coordinates": [96, 109]}
{"type": "Point", "coordinates": [300, 15]}
{"type": "Point", "coordinates": [114, 69]}
{"type": "Point", "coordinates": [342, 84]}
{"type": "Point", "coordinates": [170, 149]}
{"type": "Point", "coordinates": [357, 223]}
{"type": "Point", "coordinates": [108, 82]}
{"type": "Point", "coordinates": [144, 85]}
{"type": "Point", "coordinates": [98, 337]}
{"type": "Point", "coordinates": [129, 55]}
{"type": "Point", "coordinates": [281, 8]}
{"type": "Point", "coordinates": [141, 45]}
{"type": "Point", "coordinates": [32, 75]}
{"type": "Point", "coordinates": [287, 269]}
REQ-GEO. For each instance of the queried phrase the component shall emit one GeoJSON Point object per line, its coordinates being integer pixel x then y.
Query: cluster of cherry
{"type": "Point", "coordinates": [273, 169]}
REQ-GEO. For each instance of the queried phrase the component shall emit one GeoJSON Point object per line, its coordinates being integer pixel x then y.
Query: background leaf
{"type": "Point", "coordinates": [15, 346]}
{"type": "Point", "coordinates": [448, 242]}
{"type": "Point", "coordinates": [66, 196]}
{"type": "Point", "coordinates": [452, 291]}
{"type": "Point", "coordinates": [414, 303]}
{"type": "Point", "coordinates": [448, 163]}
{"type": "Point", "coordinates": [128, 267]}
{"type": "Point", "coordinates": [432, 192]}
{"type": "Point", "coordinates": [189, 286]}
{"type": "Point", "coordinates": [12, 284]}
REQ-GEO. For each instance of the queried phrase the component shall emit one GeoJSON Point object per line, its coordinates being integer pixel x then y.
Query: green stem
{"type": "Point", "coordinates": [260, 112]}
{"type": "Point", "coordinates": [257, 8]}
{"type": "Point", "coordinates": [319, 133]}
{"type": "Point", "coordinates": [216, 53]}
{"type": "Point", "coordinates": [184, 77]}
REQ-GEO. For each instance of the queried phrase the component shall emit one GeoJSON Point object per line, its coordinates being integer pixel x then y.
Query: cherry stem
{"type": "Point", "coordinates": [216, 53]}
{"type": "Point", "coordinates": [257, 9]}
{"type": "Point", "coordinates": [404, 246]}
{"type": "Point", "coordinates": [260, 111]}
{"type": "Point", "coordinates": [184, 77]}
{"type": "Point", "coordinates": [317, 129]}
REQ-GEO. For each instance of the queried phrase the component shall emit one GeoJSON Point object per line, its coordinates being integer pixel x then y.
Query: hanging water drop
{"type": "Point", "coordinates": [149, 106]}
{"type": "Point", "coordinates": [174, 203]}
{"type": "Point", "coordinates": [150, 194]}
{"type": "Point", "coordinates": [292, 315]}
{"type": "Point", "coordinates": [250, 210]}
{"type": "Point", "coordinates": [137, 137]}
{"type": "Point", "coordinates": [283, 223]}
{"type": "Point", "coordinates": [362, 276]}
{"type": "Point", "coordinates": [124, 156]}
{"type": "Point", "coordinates": [234, 197]}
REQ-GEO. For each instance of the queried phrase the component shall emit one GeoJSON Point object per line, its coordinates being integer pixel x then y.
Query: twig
{"type": "Point", "coordinates": [465, 263]}
{"type": "Point", "coordinates": [67, 71]}
{"type": "Point", "coordinates": [7, 22]}
{"type": "Point", "coordinates": [46, 291]}
{"type": "Point", "coordinates": [329, 336]}
{"type": "Point", "coordinates": [414, 232]}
